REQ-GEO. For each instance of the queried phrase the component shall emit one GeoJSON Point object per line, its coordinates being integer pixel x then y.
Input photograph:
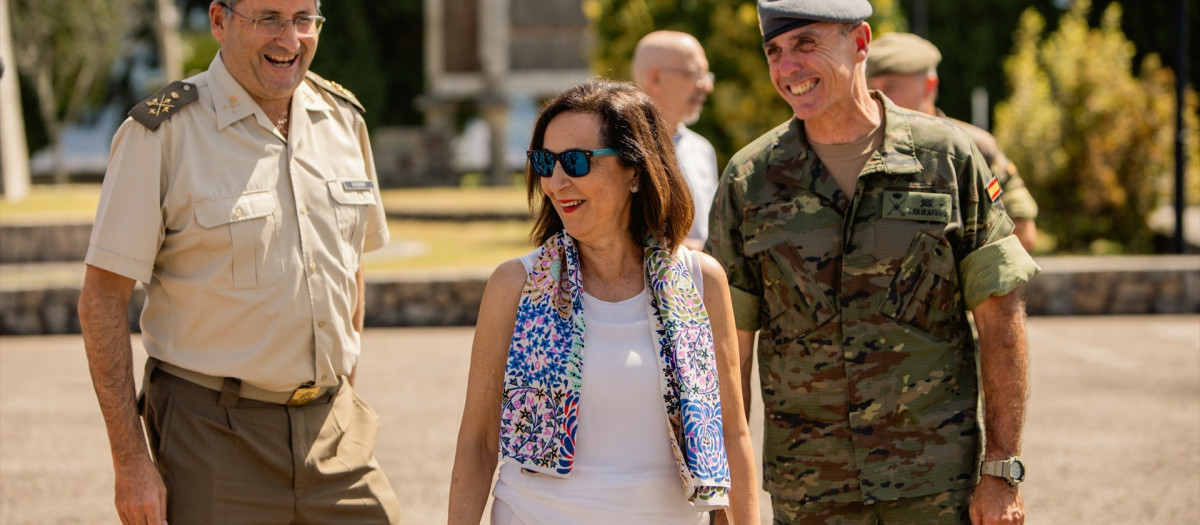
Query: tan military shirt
{"type": "Point", "coordinates": [247, 242]}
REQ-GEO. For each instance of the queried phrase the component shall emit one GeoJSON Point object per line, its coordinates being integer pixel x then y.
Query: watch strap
{"type": "Point", "coordinates": [994, 468]}
{"type": "Point", "coordinates": [1002, 469]}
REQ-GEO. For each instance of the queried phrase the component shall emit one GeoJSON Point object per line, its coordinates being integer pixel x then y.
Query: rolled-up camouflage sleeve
{"type": "Point", "coordinates": [726, 244]}
{"type": "Point", "coordinates": [995, 263]}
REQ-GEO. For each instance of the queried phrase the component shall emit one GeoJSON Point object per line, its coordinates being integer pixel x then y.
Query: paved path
{"type": "Point", "coordinates": [1113, 434]}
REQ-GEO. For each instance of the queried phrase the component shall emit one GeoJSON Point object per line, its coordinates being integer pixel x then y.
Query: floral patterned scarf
{"type": "Point", "coordinates": [544, 373]}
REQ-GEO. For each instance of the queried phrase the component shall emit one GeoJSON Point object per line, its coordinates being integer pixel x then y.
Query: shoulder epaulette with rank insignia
{"type": "Point", "coordinates": [163, 105]}
{"type": "Point", "coordinates": [336, 89]}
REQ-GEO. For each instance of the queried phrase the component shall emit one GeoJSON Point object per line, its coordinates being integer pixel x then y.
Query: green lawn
{"type": "Point", "coordinates": [72, 202]}
{"type": "Point", "coordinates": [505, 199]}
{"type": "Point", "coordinates": [416, 244]}
{"type": "Point", "coordinates": [450, 244]}
{"type": "Point", "coordinates": [78, 201]}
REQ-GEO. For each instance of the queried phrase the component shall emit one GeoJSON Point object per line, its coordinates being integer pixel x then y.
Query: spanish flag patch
{"type": "Point", "coordinates": [993, 189]}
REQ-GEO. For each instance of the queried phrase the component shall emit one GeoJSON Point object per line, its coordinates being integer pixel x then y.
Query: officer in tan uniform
{"type": "Point", "coordinates": [242, 200]}
{"type": "Point", "coordinates": [856, 236]}
{"type": "Point", "coordinates": [904, 67]}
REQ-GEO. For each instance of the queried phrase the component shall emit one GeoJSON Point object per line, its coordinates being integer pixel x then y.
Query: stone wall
{"type": "Point", "coordinates": [29, 243]}
{"type": "Point", "coordinates": [1115, 285]}
{"type": "Point", "coordinates": [1066, 286]}
{"type": "Point", "coordinates": [415, 301]}
{"type": "Point", "coordinates": [51, 310]}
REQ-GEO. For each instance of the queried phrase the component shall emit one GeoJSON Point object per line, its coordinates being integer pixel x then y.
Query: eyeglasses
{"type": "Point", "coordinates": [699, 77]}
{"type": "Point", "coordinates": [575, 162]}
{"type": "Point", "coordinates": [273, 25]}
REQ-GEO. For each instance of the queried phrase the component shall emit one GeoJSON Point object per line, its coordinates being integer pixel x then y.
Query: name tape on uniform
{"type": "Point", "coordinates": [358, 185]}
{"type": "Point", "coordinates": [917, 206]}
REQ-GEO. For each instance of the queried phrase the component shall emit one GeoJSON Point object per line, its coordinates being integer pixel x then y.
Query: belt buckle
{"type": "Point", "coordinates": [304, 394]}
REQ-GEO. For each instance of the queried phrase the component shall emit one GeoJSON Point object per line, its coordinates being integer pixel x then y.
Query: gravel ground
{"type": "Point", "coordinates": [1113, 431]}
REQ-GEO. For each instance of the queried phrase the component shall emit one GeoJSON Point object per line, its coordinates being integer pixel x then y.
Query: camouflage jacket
{"type": "Point", "coordinates": [866, 357]}
{"type": "Point", "coordinates": [1018, 202]}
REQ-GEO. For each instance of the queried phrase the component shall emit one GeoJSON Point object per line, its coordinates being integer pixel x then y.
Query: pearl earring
{"type": "Point", "coordinates": [634, 189]}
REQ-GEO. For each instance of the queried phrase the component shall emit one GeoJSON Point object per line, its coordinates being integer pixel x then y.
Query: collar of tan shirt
{"type": "Point", "coordinates": [233, 103]}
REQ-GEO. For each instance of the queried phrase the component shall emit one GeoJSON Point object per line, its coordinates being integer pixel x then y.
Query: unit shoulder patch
{"type": "Point", "coordinates": [336, 89]}
{"type": "Point", "coordinates": [164, 104]}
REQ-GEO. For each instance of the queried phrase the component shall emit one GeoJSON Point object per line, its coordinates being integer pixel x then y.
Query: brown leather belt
{"type": "Point", "coordinates": [303, 395]}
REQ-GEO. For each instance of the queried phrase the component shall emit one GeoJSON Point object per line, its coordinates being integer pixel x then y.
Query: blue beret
{"type": "Point", "coordinates": [777, 17]}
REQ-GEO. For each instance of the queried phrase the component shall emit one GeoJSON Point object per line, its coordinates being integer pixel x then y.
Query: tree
{"type": "Point", "coordinates": [743, 104]}
{"type": "Point", "coordinates": [974, 37]}
{"type": "Point", "coordinates": [1152, 27]}
{"type": "Point", "coordinates": [65, 48]}
{"type": "Point", "coordinates": [1094, 140]}
{"type": "Point", "coordinates": [375, 50]}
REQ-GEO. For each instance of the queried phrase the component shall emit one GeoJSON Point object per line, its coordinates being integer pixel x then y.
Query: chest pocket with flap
{"type": "Point", "coordinates": [352, 201]}
{"type": "Point", "coordinates": [246, 248]}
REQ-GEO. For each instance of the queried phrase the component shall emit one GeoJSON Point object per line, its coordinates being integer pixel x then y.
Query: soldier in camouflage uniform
{"type": "Point", "coordinates": [860, 286]}
{"type": "Point", "coordinates": [904, 67]}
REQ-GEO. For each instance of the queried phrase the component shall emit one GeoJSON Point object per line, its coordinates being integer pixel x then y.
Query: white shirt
{"type": "Point", "coordinates": [698, 160]}
{"type": "Point", "coordinates": [624, 471]}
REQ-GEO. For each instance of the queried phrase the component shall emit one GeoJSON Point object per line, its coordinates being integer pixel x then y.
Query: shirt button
{"type": "Point", "coordinates": [237, 212]}
{"type": "Point", "coordinates": [312, 267]}
{"type": "Point", "coordinates": [303, 210]}
{"type": "Point", "coordinates": [324, 378]}
{"type": "Point", "coordinates": [321, 324]}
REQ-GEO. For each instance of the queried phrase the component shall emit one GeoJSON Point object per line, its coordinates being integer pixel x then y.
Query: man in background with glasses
{"type": "Point", "coordinates": [242, 200]}
{"type": "Point", "coordinates": [671, 67]}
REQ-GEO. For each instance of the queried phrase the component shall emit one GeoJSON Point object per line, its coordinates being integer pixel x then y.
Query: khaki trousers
{"type": "Point", "coordinates": [253, 462]}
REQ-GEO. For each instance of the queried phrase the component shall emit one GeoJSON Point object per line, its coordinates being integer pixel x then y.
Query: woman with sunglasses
{"type": "Point", "coordinates": [604, 366]}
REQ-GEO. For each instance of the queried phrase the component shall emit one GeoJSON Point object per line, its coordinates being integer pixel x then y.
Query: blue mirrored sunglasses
{"type": "Point", "coordinates": [575, 162]}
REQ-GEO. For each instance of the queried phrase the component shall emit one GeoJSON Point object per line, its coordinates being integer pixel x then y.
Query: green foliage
{"type": "Point", "coordinates": [973, 38]}
{"type": "Point", "coordinates": [1094, 141]}
{"type": "Point", "coordinates": [1154, 28]}
{"type": "Point", "coordinates": [888, 17]}
{"type": "Point", "coordinates": [199, 49]}
{"type": "Point", "coordinates": [375, 50]}
{"type": "Point", "coordinates": [348, 54]}
{"type": "Point", "coordinates": [65, 47]}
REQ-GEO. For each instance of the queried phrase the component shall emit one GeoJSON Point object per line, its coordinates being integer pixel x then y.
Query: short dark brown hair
{"type": "Point", "coordinates": [630, 123]}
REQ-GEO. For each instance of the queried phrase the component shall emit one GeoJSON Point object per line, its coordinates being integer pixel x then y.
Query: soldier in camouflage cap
{"type": "Point", "coordinates": [856, 236]}
{"type": "Point", "coordinates": [904, 67]}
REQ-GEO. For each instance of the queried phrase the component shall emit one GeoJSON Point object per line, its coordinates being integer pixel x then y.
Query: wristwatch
{"type": "Point", "coordinates": [1011, 470]}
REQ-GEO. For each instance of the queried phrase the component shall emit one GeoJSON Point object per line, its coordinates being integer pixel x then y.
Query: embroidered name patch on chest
{"type": "Point", "coordinates": [916, 206]}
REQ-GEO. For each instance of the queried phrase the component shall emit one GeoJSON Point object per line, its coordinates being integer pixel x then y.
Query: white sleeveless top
{"type": "Point", "coordinates": [624, 470]}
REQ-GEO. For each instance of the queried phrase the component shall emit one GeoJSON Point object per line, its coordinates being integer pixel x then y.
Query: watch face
{"type": "Point", "coordinates": [1017, 470]}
